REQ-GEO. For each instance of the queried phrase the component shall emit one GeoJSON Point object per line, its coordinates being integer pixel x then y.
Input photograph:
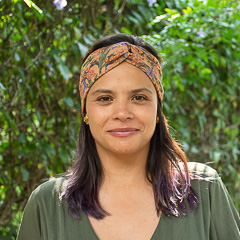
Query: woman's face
{"type": "Point", "coordinates": [122, 108]}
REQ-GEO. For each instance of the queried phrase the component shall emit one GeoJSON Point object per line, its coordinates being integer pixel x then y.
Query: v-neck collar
{"type": "Point", "coordinates": [94, 236]}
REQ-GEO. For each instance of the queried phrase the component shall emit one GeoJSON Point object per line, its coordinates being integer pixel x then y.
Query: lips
{"type": "Point", "coordinates": [123, 132]}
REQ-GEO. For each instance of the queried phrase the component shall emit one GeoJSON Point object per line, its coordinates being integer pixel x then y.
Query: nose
{"type": "Point", "coordinates": [122, 111]}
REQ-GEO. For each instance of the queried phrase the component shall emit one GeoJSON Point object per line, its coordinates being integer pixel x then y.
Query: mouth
{"type": "Point", "coordinates": [123, 132]}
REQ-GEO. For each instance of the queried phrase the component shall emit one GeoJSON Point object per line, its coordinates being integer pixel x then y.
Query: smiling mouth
{"type": "Point", "coordinates": [123, 132]}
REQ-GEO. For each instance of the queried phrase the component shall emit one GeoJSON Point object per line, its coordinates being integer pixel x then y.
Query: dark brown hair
{"type": "Point", "coordinates": [166, 167]}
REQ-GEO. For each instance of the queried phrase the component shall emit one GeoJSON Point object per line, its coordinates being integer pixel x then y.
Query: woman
{"type": "Point", "coordinates": [130, 179]}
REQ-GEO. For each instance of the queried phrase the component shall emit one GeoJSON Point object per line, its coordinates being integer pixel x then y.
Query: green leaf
{"type": "Point", "coordinates": [215, 156]}
{"type": "Point", "coordinates": [48, 149]}
{"type": "Point", "coordinates": [64, 71]}
{"type": "Point", "coordinates": [38, 12]}
{"type": "Point", "coordinates": [126, 30]}
{"type": "Point", "coordinates": [194, 149]}
{"type": "Point", "coordinates": [187, 11]}
{"type": "Point", "coordinates": [21, 73]}
{"type": "Point", "coordinates": [25, 174]}
{"type": "Point", "coordinates": [67, 21]}
{"type": "Point", "coordinates": [171, 11]}
{"type": "Point", "coordinates": [7, 117]}
{"type": "Point", "coordinates": [2, 87]}
{"type": "Point", "coordinates": [3, 146]}
{"type": "Point", "coordinates": [38, 114]}
{"type": "Point", "coordinates": [17, 56]}
{"type": "Point", "coordinates": [159, 19]}
{"type": "Point", "coordinates": [69, 101]}
{"type": "Point", "coordinates": [77, 33]}
{"type": "Point", "coordinates": [22, 138]}
{"type": "Point", "coordinates": [83, 49]}
{"type": "Point", "coordinates": [63, 155]}
{"type": "Point", "coordinates": [36, 9]}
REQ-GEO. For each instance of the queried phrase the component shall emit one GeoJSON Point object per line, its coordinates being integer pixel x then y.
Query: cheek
{"type": "Point", "coordinates": [149, 113]}
{"type": "Point", "coordinates": [151, 125]}
{"type": "Point", "coordinates": [97, 119]}
{"type": "Point", "coordinates": [150, 119]}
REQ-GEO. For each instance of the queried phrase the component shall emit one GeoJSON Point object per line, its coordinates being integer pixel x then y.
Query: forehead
{"type": "Point", "coordinates": [123, 77]}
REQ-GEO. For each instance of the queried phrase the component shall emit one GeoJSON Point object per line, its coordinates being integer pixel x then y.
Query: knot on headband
{"type": "Point", "coordinates": [105, 59]}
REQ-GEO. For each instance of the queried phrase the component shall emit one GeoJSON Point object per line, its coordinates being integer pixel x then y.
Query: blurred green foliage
{"type": "Point", "coordinates": [41, 52]}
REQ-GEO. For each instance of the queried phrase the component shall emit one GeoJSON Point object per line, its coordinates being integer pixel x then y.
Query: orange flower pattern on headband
{"type": "Point", "coordinates": [104, 59]}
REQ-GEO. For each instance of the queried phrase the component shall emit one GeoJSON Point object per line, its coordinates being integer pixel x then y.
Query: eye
{"type": "Point", "coordinates": [104, 99]}
{"type": "Point", "coordinates": [139, 98]}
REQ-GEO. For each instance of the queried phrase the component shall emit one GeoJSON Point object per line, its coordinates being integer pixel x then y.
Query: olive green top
{"type": "Point", "coordinates": [46, 217]}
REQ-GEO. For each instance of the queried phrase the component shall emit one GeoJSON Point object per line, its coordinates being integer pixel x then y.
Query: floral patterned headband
{"type": "Point", "coordinates": [105, 59]}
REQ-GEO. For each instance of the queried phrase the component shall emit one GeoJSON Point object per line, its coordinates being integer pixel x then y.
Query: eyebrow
{"type": "Point", "coordinates": [110, 91]}
{"type": "Point", "coordinates": [101, 91]}
{"type": "Point", "coordinates": [141, 90]}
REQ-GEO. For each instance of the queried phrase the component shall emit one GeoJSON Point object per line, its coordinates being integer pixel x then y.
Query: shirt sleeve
{"type": "Point", "coordinates": [225, 222]}
{"type": "Point", "coordinates": [30, 225]}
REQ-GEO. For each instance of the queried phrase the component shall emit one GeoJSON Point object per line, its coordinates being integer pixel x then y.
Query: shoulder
{"type": "Point", "coordinates": [205, 180]}
{"type": "Point", "coordinates": [50, 189]}
{"type": "Point", "coordinates": [202, 171]}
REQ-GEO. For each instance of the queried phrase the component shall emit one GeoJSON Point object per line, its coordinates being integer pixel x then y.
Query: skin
{"type": "Point", "coordinates": [122, 109]}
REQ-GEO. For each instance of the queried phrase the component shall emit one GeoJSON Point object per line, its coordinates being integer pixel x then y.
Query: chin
{"type": "Point", "coordinates": [126, 150]}
{"type": "Point", "coordinates": [123, 147]}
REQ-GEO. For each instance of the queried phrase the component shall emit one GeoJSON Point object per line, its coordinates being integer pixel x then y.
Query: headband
{"type": "Point", "coordinates": [105, 59]}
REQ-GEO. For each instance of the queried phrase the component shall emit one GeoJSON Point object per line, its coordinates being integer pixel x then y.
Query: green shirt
{"type": "Point", "coordinates": [46, 217]}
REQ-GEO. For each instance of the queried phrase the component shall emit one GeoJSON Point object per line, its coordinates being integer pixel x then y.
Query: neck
{"type": "Point", "coordinates": [123, 170]}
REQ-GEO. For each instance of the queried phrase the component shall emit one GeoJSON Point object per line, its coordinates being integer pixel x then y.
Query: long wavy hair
{"type": "Point", "coordinates": [166, 167]}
